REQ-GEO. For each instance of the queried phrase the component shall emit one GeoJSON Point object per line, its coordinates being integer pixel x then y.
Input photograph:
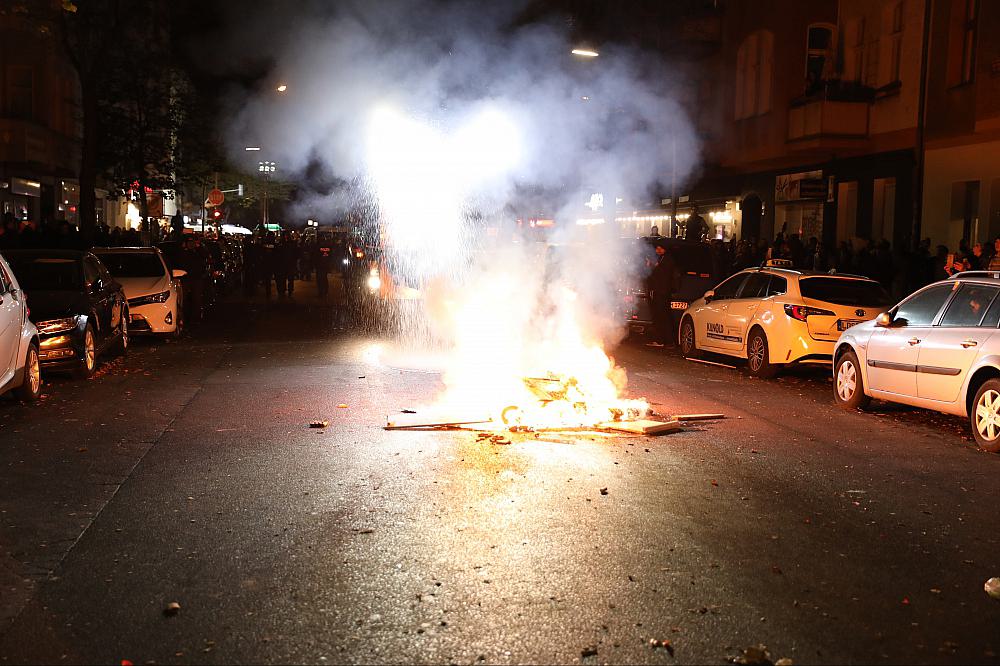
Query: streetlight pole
{"type": "Point", "coordinates": [266, 168]}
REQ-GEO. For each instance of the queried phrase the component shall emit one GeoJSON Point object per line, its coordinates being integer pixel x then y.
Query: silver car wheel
{"type": "Point", "coordinates": [988, 415]}
{"type": "Point", "coordinates": [847, 380]}
{"type": "Point", "coordinates": [34, 371]}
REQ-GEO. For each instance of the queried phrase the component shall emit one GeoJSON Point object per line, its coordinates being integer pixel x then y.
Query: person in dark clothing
{"type": "Point", "coordinates": [193, 262]}
{"type": "Point", "coordinates": [285, 263]}
{"type": "Point", "coordinates": [267, 250]}
{"type": "Point", "coordinates": [660, 286]}
{"type": "Point", "coordinates": [322, 259]}
{"type": "Point", "coordinates": [695, 228]}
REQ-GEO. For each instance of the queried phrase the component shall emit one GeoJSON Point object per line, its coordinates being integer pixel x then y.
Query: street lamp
{"type": "Point", "coordinates": [585, 52]}
{"type": "Point", "coordinates": [282, 88]}
{"type": "Point", "coordinates": [266, 168]}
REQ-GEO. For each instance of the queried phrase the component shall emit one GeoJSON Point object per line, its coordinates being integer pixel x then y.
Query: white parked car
{"type": "Point", "coordinates": [774, 316]}
{"type": "Point", "coordinates": [154, 292]}
{"type": "Point", "coordinates": [939, 349]}
{"type": "Point", "coordinates": [20, 370]}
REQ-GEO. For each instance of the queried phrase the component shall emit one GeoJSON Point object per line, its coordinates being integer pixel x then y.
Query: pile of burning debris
{"type": "Point", "coordinates": [562, 397]}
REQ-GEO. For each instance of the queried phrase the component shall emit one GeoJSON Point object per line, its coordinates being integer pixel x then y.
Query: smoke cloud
{"type": "Point", "coordinates": [449, 113]}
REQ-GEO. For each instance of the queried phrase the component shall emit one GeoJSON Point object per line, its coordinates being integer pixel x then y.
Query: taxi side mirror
{"type": "Point", "coordinates": [178, 273]}
{"type": "Point", "coordinates": [709, 295]}
{"type": "Point", "coordinates": [884, 320]}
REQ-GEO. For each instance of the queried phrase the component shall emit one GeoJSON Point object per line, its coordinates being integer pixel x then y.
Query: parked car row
{"type": "Point", "coordinates": [63, 310]}
{"type": "Point", "coordinates": [939, 348]}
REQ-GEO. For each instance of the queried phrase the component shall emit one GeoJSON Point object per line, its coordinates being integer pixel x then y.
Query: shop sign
{"type": "Point", "coordinates": [25, 187]}
{"type": "Point", "coordinates": [797, 186]}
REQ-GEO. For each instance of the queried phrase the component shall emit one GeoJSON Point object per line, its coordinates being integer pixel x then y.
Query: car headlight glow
{"type": "Point", "coordinates": [57, 325]}
{"type": "Point", "coordinates": [161, 297]}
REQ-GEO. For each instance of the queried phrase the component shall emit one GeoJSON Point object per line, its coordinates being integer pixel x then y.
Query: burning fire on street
{"type": "Point", "coordinates": [524, 348]}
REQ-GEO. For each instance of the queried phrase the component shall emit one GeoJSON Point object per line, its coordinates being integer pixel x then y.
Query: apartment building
{"type": "Point", "coordinates": [39, 148]}
{"type": "Point", "coordinates": [817, 104]}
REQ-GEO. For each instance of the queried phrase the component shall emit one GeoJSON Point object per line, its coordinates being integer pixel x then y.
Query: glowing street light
{"type": "Point", "coordinates": [282, 88]}
{"type": "Point", "coordinates": [585, 52]}
{"type": "Point", "coordinates": [252, 148]}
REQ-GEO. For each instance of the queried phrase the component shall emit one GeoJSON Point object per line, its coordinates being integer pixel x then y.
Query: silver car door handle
{"type": "Point", "coordinates": [969, 343]}
{"type": "Point", "coordinates": [913, 341]}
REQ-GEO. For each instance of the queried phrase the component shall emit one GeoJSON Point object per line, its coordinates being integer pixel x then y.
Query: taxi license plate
{"type": "Point", "coordinates": [844, 324]}
{"type": "Point", "coordinates": [678, 305]}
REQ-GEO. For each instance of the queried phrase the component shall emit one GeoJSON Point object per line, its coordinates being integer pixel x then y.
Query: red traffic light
{"type": "Point", "coordinates": [216, 214]}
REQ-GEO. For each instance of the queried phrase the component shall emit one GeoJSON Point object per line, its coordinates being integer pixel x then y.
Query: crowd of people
{"type": "Point", "coordinates": [900, 270]}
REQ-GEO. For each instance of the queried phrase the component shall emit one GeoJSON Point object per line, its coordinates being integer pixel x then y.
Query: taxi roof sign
{"type": "Point", "coordinates": [778, 263]}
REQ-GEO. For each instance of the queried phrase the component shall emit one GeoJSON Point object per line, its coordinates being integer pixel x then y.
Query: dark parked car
{"type": "Point", "coordinates": [79, 309]}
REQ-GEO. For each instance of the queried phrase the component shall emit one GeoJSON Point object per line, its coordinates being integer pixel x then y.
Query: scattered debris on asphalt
{"type": "Point", "coordinates": [755, 655]}
{"type": "Point", "coordinates": [604, 491]}
{"type": "Point", "coordinates": [992, 587]}
{"type": "Point", "coordinates": [319, 424]}
{"type": "Point", "coordinates": [698, 417]}
{"type": "Point", "coordinates": [663, 644]}
{"type": "Point", "coordinates": [641, 427]}
{"type": "Point", "coordinates": [172, 608]}
{"type": "Point", "coordinates": [589, 651]}
{"type": "Point", "coordinates": [342, 405]}
{"type": "Point", "coordinates": [407, 411]}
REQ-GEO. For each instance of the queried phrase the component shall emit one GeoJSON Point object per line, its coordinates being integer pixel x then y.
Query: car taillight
{"type": "Point", "coordinates": [800, 312]}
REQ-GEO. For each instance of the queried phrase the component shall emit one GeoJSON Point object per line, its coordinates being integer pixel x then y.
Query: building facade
{"type": "Point", "coordinates": [817, 106]}
{"type": "Point", "coordinates": [39, 127]}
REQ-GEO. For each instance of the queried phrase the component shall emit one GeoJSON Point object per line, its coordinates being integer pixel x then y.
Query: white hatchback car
{"type": "Point", "coordinates": [775, 317]}
{"type": "Point", "coordinates": [939, 349]}
{"type": "Point", "coordinates": [154, 292]}
{"type": "Point", "coordinates": [20, 370]}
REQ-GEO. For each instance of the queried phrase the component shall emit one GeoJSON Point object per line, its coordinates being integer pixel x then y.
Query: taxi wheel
{"type": "Point", "coordinates": [689, 348]}
{"type": "Point", "coordinates": [985, 416]}
{"type": "Point", "coordinates": [758, 359]}
{"type": "Point", "coordinates": [848, 386]}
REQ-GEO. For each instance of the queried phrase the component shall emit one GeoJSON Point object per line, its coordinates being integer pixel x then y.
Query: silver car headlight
{"type": "Point", "coordinates": [57, 325]}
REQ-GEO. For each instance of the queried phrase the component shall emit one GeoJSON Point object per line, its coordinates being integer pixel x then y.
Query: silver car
{"type": "Point", "coordinates": [19, 365]}
{"type": "Point", "coordinates": [938, 349]}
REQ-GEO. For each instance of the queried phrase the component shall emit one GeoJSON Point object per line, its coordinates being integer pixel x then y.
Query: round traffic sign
{"type": "Point", "coordinates": [216, 197]}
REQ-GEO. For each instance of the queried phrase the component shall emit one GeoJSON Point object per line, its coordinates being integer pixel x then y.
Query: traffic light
{"type": "Point", "coordinates": [216, 215]}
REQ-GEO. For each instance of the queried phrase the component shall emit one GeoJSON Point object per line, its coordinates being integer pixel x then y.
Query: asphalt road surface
{"type": "Point", "coordinates": [187, 473]}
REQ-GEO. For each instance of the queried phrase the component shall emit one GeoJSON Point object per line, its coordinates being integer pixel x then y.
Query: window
{"type": "Point", "coordinates": [819, 56]}
{"type": "Point", "coordinates": [969, 305]}
{"type": "Point", "coordinates": [5, 282]}
{"type": "Point", "coordinates": [854, 50]}
{"type": "Point", "coordinates": [962, 41]}
{"type": "Point", "coordinates": [755, 286]}
{"type": "Point", "coordinates": [91, 271]}
{"type": "Point", "coordinates": [921, 309]}
{"type": "Point", "coordinates": [969, 40]}
{"type": "Point", "coordinates": [20, 93]}
{"type": "Point", "coordinates": [842, 291]}
{"type": "Point", "coordinates": [895, 41]}
{"type": "Point", "coordinates": [777, 286]}
{"type": "Point", "coordinates": [754, 67]}
{"type": "Point", "coordinates": [730, 287]}
{"type": "Point", "coordinates": [992, 318]}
